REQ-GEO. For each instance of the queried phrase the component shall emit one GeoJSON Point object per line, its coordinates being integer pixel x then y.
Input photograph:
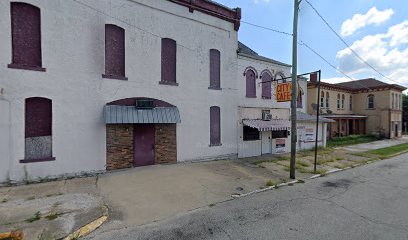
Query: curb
{"type": "Point", "coordinates": [312, 177]}
{"type": "Point", "coordinates": [85, 230]}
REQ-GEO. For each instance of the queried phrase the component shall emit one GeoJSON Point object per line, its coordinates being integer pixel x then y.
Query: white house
{"type": "Point", "coordinates": [64, 64]}
{"type": "Point", "coordinates": [263, 122]}
{"type": "Point", "coordinates": [96, 85]}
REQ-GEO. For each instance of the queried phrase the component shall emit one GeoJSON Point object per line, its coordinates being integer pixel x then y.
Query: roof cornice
{"type": "Point", "coordinates": [214, 9]}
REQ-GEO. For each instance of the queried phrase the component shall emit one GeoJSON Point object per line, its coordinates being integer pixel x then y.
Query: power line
{"type": "Point", "coordinates": [267, 28]}
{"type": "Point", "coordinates": [345, 43]}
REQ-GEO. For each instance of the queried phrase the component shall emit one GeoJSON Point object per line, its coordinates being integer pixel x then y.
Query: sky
{"type": "Point", "coordinates": [376, 29]}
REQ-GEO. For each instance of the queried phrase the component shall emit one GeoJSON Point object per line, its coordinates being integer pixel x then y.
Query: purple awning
{"type": "Point", "coordinates": [272, 125]}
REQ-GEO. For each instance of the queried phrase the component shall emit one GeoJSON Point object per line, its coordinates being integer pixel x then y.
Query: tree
{"type": "Point", "coordinates": [404, 110]}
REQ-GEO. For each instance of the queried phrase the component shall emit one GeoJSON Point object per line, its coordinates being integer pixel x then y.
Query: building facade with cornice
{"type": "Point", "coordinates": [366, 106]}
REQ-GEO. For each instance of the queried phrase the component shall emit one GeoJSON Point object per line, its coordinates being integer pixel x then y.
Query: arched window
{"type": "Point", "coordinates": [38, 129]}
{"type": "Point", "coordinates": [327, 100]}
{"type": "Point", "coordinates": [266, 85]}
{"type": "Point", "coordinates": [338, 101]}
{"type": "Point", "coordinates": [351, 103]}
{"type": "Point", "coordinates": [26, 36]}
{"type": "Point", "coordinates": [114, 52]}
{"type": "Point", "coordinates": [168, 61]}
{"type": "Point", "coordinates": [280, 77]}
{"type": "Point", "coordinates": [343, 100]}
{"type": "Point", "coordinates": [321, 99]}
{"type": "Point", "coordinates": [215, 69]}
{"type": "Point", "coordinates": [215, 126]}
{"type": "Point", "coordinates": [250, 83]}
{"type": "Point", "coordinates": [370, 101]}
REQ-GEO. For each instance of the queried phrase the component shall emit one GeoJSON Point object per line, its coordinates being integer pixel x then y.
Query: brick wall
{"type": "Point", "coordinates": [165, 143]}
{"type": "Point", "coordinates": [119, 146]}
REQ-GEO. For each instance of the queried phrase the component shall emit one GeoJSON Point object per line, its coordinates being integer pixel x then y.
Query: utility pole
{"type": "Point", "coordinates": [317, 119]}
{"type": "Point", "coordinates": [293, 130]}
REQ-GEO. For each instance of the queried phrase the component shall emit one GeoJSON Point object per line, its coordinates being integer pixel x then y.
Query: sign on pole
{"type": "Point", "coordinates": [284, 92]}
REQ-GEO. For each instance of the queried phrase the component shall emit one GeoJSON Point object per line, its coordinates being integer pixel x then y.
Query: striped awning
{"type": "Point", "coordinates": [130, 114]}
{"type": "Point", "coordinates": [272, 125]}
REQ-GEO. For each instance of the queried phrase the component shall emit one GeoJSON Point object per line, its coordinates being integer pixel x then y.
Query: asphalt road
{"type": "Point", "coordinates": [368, 202]}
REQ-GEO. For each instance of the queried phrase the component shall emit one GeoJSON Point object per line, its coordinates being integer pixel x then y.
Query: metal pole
{"type": "Point", "coordinates": [293, 130]}
{"type": "Point", "coordinates": [317, 120]}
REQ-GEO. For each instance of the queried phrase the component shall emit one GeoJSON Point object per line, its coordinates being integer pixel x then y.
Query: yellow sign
{"type": "Point", "coordinates": [284, 92]}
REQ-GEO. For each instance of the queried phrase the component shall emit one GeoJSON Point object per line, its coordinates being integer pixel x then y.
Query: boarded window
{"type": "Point", "coordinates": [168, 61]}
{"type": "Point", "coordinates": [215, 69]}
{"type": "Point", "coordinates": [250, 84]}
{"type": "Point", "coordinates": [351, 103]}
{"type": "Point", "coordinates": [26, 35]}
{"type": "Point", "coordinates": [38, 128]}
{"type": "Point", "coordinates": [343, 99]}
{"type": "Point", "coordinates": [215, 126]}
{"type": "Point", "coordinates": [251, 134]}
{"type": "Point", "coordinates": [114, 52]}
{"type": "Point", "coordinates": [266, 85]}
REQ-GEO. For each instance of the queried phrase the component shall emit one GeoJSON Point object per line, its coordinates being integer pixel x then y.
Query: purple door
{"type": "Point", "coordinates": [143, 145]}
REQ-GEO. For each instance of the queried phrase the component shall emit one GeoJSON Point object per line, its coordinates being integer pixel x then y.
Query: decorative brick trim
{"type": "Point", "coordinates": [214, 9]}
{"type": "Point", "coordinates": [165, 143]}
{"type": "Point", "coordinates": [119, 146]}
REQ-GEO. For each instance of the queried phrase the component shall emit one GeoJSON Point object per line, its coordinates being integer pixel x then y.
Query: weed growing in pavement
{"type": "Point", "coordinates": [53, 216]}
{"type": "Point", "coordinates": [30, 198]}
{"type": "Point", "coordinates": [36, 217]}
{"type": "Point", "coordinates": [4, 200]}
{"type": "Point", "coordinates": [270, 183]}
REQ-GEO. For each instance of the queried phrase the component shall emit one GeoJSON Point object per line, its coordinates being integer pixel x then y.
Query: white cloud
{"type": "Point", "coordinates": [258, 1]}
{"type": "Point", "coordinates": [373, 16]}
{"type": "Point", "coordinates": [386, 52]}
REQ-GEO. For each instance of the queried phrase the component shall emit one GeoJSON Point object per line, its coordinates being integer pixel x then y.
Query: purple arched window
{"type": "Point", "coordinates": [26, 36]}
{"type": "Point", "coordinates": [168, 61]}
{"type": "Point", "coordinates": [266, 85]}
{"type": "Point", "coordinates": [250, 83]}
{"type": "Point", "coordinates": [215, 126]}
{"type": "Point", "coordinates": [114, 52]}
{"type": "Point", "coordinates": [215, 69]}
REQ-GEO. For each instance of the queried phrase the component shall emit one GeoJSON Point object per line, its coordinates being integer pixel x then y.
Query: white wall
{"type": "Point", "coordinates": [4, 138]}
{"type": "Point", "coordinates": [73, 55]}
{"type": "Point", "coordinates": [243, 63]}
{"type": "Point", "coordinates": [304, 143]}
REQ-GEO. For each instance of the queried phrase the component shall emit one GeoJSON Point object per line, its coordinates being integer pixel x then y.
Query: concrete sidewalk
{"type": "Point", "coordinates": [141, 195]}
{"type": "Point", "coordinates": [50, 210]}
{"type": "Point", "coordinates": [134, 196]}
{"type": "Point", "coordinates": [374, 145]}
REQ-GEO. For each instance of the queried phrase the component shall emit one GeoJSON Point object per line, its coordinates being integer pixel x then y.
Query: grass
{"type": "Point", "coordinates": [4, 200]}
{"type": "Point", "coordinates": [351, 140]}
{"type": "Point", "coordinates": [270, 183]}
{"type": "Point", "coordinates": [36, 217]}
{"type": "Point", "coordinates": [303, 163]}
{"type": "Point", "coordinates": [389, 151]}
